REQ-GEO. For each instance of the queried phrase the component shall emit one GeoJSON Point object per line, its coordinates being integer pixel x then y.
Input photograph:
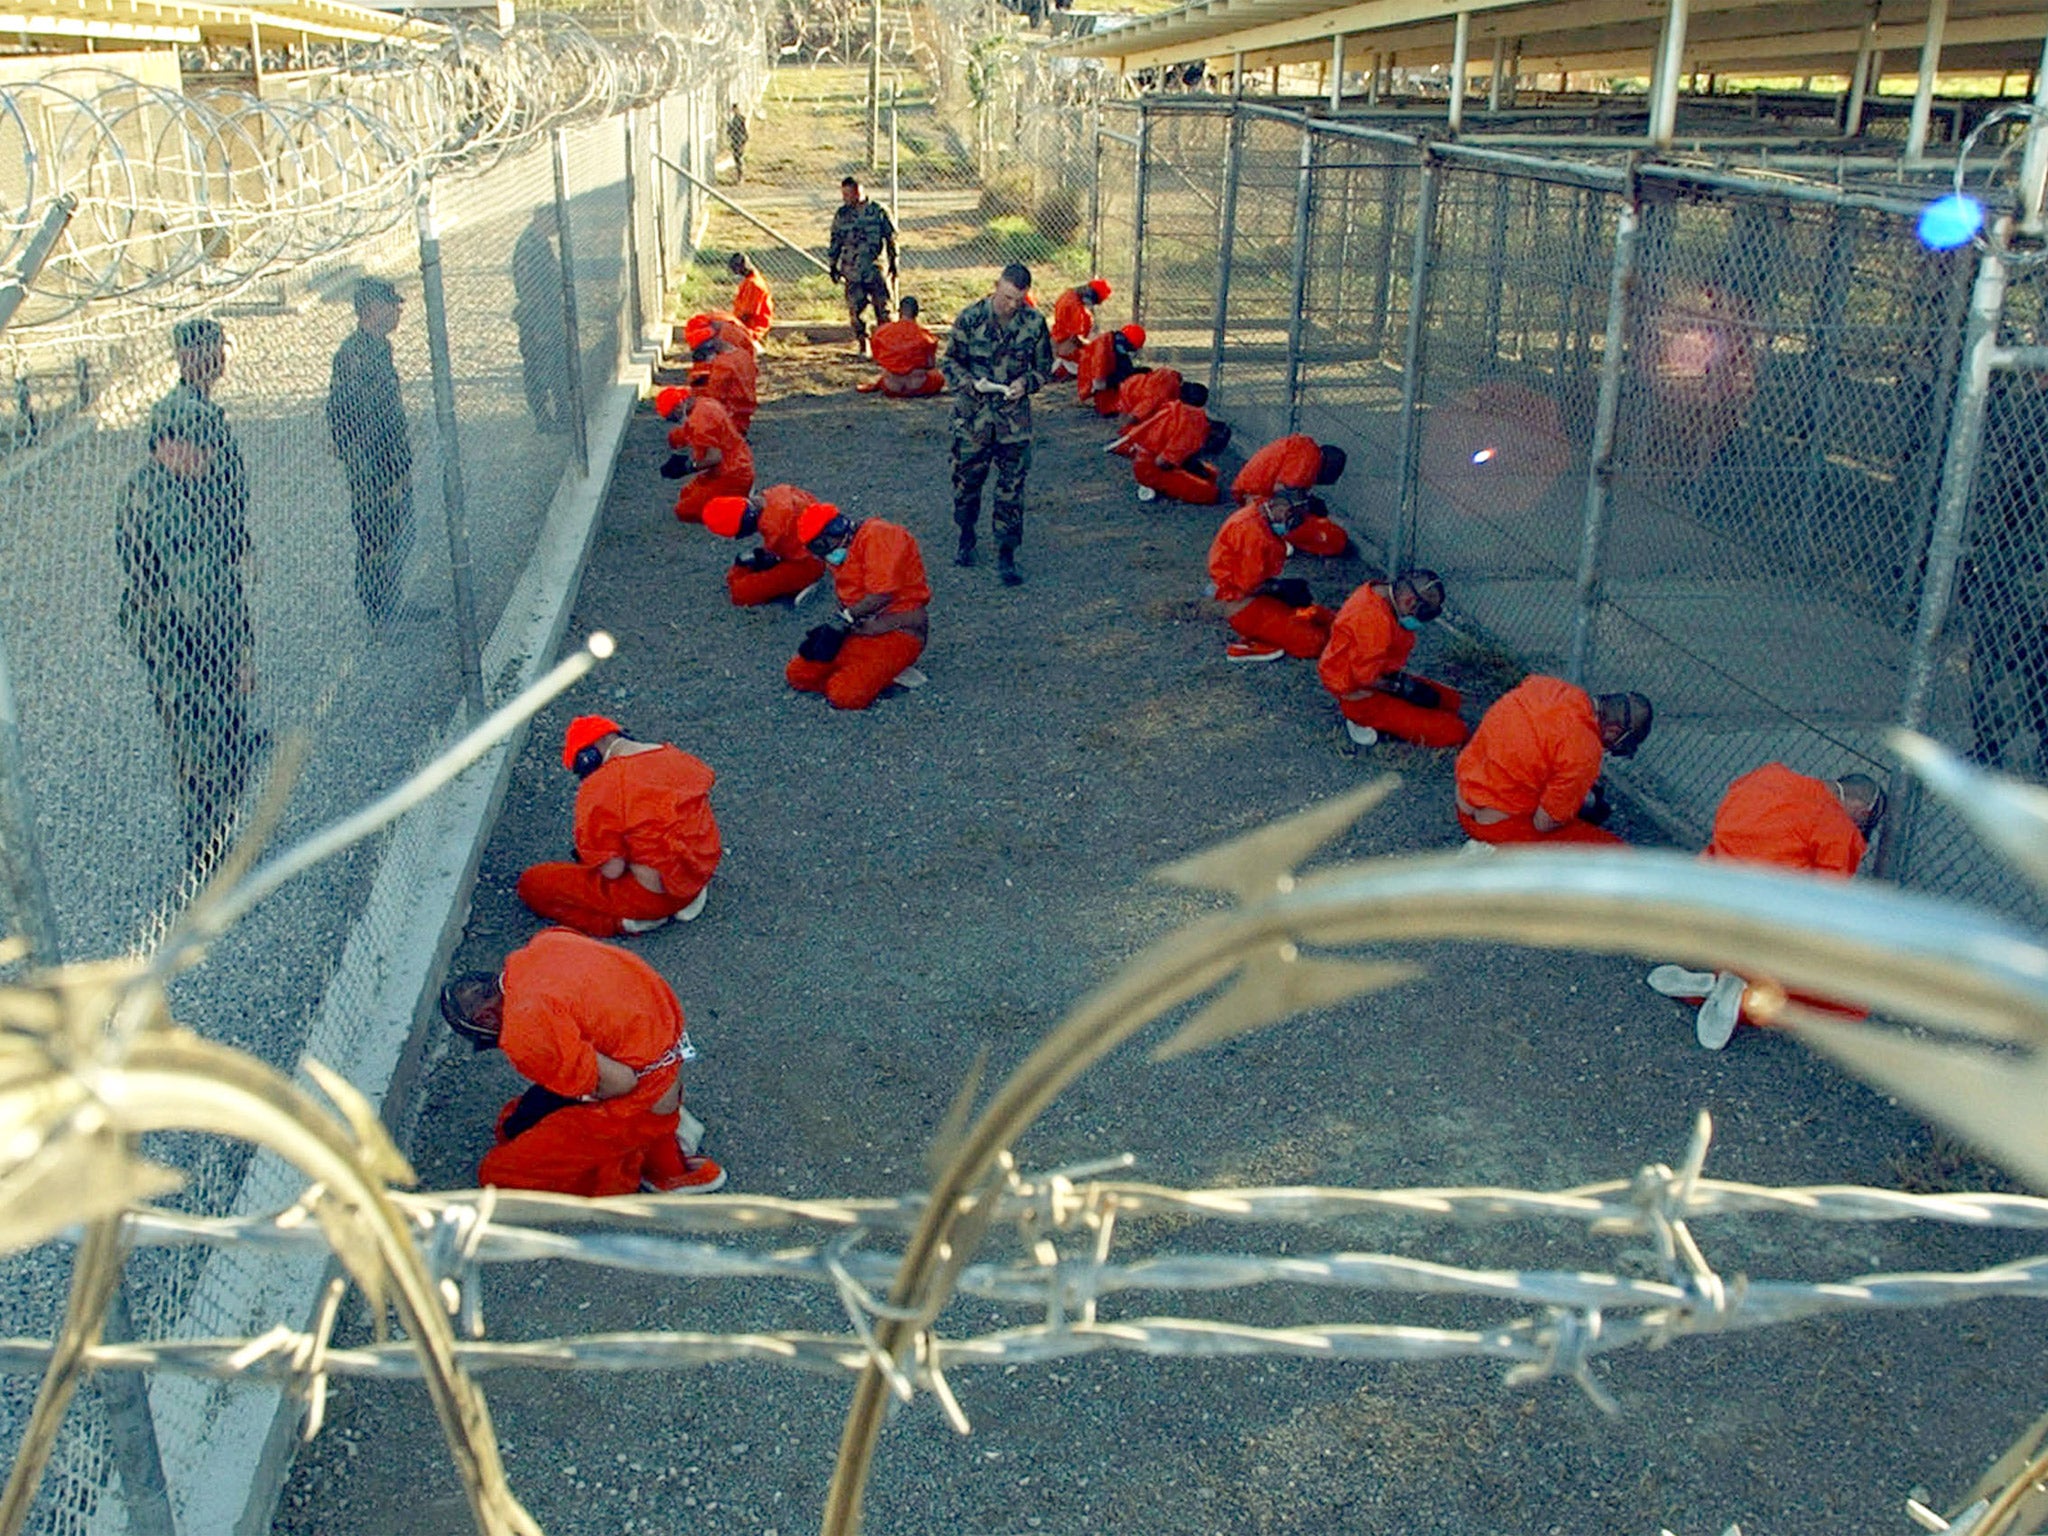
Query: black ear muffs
{"type": "Point", "coordinates": [586, 762]}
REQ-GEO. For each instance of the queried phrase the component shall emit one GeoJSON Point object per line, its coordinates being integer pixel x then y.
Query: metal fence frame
{"type": "Point", "coordinates": [1478, 259]}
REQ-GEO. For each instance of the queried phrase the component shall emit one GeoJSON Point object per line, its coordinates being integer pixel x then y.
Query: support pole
{"type": "Point", "coordinates": [1226, 243]}
{"type": "Point", "coordinates": [1095, 199]}
{"type": "Point", "coordinates": [1500, 59]}
{"type": "Point", "coordinates": [2033, 184]}
{"type": "Point", "coordinates": [131, 1430]}
{"type": "Point", "coordinates": [469, 655]}
{"type": "Point", "coordinates": [1951, 518]}
{"type": "Point", "coordinates": [636, 272]}
{"type": "Point", "coordinates": [1372, 84]}
{"type": "Point", "coordinates": [766, 228]}
{"type": "Point", "coordinates": [1859, 78]}
{"type": "Point", "coordinates": [558, 141]}
{"type": "Point", "coordinates": [1923, 89]}
{"type": "Point", "coordinates": [874, 81]}
{"type": "Point", "coordinates": [1401, 550]}
{"type": "Point", "coordinates": [1664, 86]}
{"type": "Point", "coordinates": [662, 232]}
{"type": "Point", "coordinates": [1297, 321]}
{"type": "Point", "coordinates": [1337, 73]}
{"type": "Point", "coordinates": [1138, 213]}
{"type": "Point", "coordinates": [1461, 58]}
{"type": "Point", "coordinates": [895, 161]}
{"type": "Point", "coordinates": [1600, 467]}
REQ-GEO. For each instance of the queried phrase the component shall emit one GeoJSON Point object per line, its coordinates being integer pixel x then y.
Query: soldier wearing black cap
{"type": "Point", "coordinates": [202, 349]}
{"type": "Point", "coordinates": [366, 414]}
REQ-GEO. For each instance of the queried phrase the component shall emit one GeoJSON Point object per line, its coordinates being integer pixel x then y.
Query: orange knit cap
{"type": "Point", "coordinates": [697, 330]}
{"type": "Point", "coordinates": [1099, 288]}
{"type": "Point", "coordinates": [813, 520]}
{"type": "Point", "coordinates": [1134, 334]}
{"type": "Point", "coordinates": [585, 731]}
{"type": "Point", "coordinates": [724, 515]}
{"type": "Point", "coordinates": [668, 401]}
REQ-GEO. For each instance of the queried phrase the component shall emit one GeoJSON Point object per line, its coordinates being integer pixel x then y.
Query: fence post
{"type": "Point", "coordinates": [131, 1431]}
{"type": "Point", "coordinates": [1945, 541]}
{"type": "Point", "coordinates": [1401, 550]}
{"type": "Point", "coordinates": [637, 288]}
{"type": "Point", "coordinates": [22, 879]}
{"type": "Point", "coordinates": [558, 146]}
{"type": "Point", "coordinates": [1095, 197]}
{"type": "Point", "coordinates": [1226, 242]}
{"type": "Point", "coordinates": [895, 161]}
{"type": "Point", "coordinates": [1497, 260]}
{"type": "Point", "coordinates": [455, 501]}
{"type": "Point", "coordinates": [1304, 210]}
{"type": "Point", "coordinates": [1383, 258]}
{"type": "Point", "coordinates": [1138, 214]}
{"type": "Point", "coordinates": [1600, 463]}
{"type": "Point", "coordinates": [658, 177]}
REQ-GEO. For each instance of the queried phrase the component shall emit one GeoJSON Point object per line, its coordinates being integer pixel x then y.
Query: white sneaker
{"type": "Point", "coordinates": [1364, 735]}
{"type": "Point", "coordinates": [689, 1132]}
{"type": "Point", "coordinates": [640, 925]}
{"type": "Point", "coordinates": [1146, 493]}
{"type": "Point", "coordinates": [911, 677]}
{"type": "Point", "coordinates": [1475, 849]}
{"type": "Point", "coordinates": [691, 913]}
{"type": "Point", "coordinates": [1677, 981]}
{"type": "Point", "coordinates": [1715, 1025]}
{"type": "Point", "coordinates": [1243, 651]}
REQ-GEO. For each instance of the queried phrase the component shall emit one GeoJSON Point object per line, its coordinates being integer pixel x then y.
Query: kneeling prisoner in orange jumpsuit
{"type": "Point", "coordinates": [1788, 820]}
{"type": "Point", "coordinates": [1273, 617]}
{"type": "Point", "coordinates": [1528, 774]}
{"type": "Point", "coordinates": [1370, 642]}
{"type": "Point", "coordinates": [908, 356]}
{"type": "Point", "coordinates": [751, 304]}
{"type": "Point", "coordinates": [1073, 317]}
{"type": "Point", "coordinates": [1297, 462]}
{"type": "Point", "coordinates": [1105, 362]}
{"type": "Point", "coordinates": [1162, 449]}
{"type": "Point", "coordinates": [600, 1036]}
{"type": "Point", "coordinates": [884, 615]}
{"type": "Point", "coordinates": [646, 841]}
{"type": "Point", "coordinates": [779, 566]}
{"type": "Point", "coordinates": [723, 372]}
{"type": "Point", "coordinates": [708, 452]}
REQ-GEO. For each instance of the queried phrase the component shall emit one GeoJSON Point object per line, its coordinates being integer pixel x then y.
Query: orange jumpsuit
{"type": "Point", "coordinates": [881, 557]}
{"type": "Point", "coordinates": [752, 306]}
{"type": "Point", "coordinates": [1071, 322]}
{"type": "Point", "coordinates": [709, 426]}
{"type": "Point", "coordinates": [567, 998]}
{"type": "Point", "coordinates": [795, 567]}
{"type": "Point", "coordinates": [1092, 384]}
{"type": "Point", "coordinates": [1537, 748]}
{"type": "Point", "coordinates": [651, 808]}
{"type": "Point", "coordinates": [726, 328]}
{"type": "Point", "coordinates": [1772, 815]}
{"type": "Point", "coordinates": [1368, 643]}
{"type": "Point", "coordinates": [1162, 451]}
{"type": "Point", "coordinates": [1245, 554]}
{"type": "Point", "coordinates": [1293, 462]}
{"type": "Point", "coordinates": [733, 380]}
{"type": "Point", "coordinates": [1143, 393]}
{"type": "Point", "coordinates": [908, 356]}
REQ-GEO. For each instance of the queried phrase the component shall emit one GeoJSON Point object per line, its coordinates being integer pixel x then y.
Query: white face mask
{"type": "Point", "coordinates": [837, 557]}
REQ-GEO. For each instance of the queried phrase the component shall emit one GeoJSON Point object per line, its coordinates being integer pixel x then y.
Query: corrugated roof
{"type": "Point", "coordinates": [193, 21]}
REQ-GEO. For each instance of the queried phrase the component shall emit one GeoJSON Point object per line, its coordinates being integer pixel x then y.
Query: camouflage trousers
{"type": "Point", "coordinates": [972, 460]}
{"type": "Point", "coordinates": [862, 292]}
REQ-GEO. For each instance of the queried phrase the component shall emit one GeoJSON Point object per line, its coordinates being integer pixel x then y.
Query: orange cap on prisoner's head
{"type": "Point", "coordinates": [725, 515]}
{"type": "Point", "coordinates": [1099, 288]}
{"type": "Point", "coordinates": [586, 731]}
{"type": "Point", "coordinates": [814, 520]}
{"type": "Point", "coordinates": [697, 330]}
{"type": "Point", "coordinates": [670, 400]}
{"type": "Point", "coordinates": [1134, 334]}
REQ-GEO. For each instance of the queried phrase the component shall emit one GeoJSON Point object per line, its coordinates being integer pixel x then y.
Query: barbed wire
{"type": "Point", "coordinates": [187, 199]}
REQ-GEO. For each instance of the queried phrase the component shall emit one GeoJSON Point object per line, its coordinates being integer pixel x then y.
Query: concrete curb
{"type": "Point", "coordinates": [231, 1478]}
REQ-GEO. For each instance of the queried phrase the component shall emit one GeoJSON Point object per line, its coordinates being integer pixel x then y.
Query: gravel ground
{"type": "Point", "coordinates": [952, 870]}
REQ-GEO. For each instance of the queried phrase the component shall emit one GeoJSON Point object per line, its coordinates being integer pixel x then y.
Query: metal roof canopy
{"type": "Point", "coordinates": [196, 21]}
{"type": "Point", "coordinates": [1575, 35]}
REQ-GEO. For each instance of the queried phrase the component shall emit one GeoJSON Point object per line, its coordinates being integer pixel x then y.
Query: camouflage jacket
{"type": "Point", "coordinates": [224, 493]}
{"type": "Point", "coordinates": [983, 347]}
{"type": "Point", "coordinates": [182, 601]}
{"type": "Point", "coordinates": [366, 414]}
{"type": "Point", "coordinates": [860, 235]}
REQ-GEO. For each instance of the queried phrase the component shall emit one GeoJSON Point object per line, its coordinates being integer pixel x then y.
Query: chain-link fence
{"type": "Point", "coordinates": [298, 511]}
{"type": "Point", "coordinates": [1659, 428]}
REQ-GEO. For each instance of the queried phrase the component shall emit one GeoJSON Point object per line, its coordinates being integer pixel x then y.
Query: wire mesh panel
{"type": "Point", "coordinates": [597, 213]}
{"type": "Point", "coordinates": [1362, 205]}
{"type": "Point", "coordinates": [1115, 218]}
{"type": "Point", "coordinates": [1187, 156]}
{"type": "Point", "coordinates": [1259, 306]}
{"type": "Point", "coordinates": [1787, 396]}
{"type": "Point", "coordinates": [1510, 359]}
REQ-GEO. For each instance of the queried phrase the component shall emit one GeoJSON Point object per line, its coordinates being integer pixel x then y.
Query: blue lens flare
{"type": "Point", "coordinates": [1950, 222]}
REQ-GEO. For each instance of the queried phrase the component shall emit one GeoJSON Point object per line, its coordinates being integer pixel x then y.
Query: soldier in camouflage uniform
{"type": "Point", "coordinates": [366, 416]}
{"type": "Point", "coordinates": [202, 349]}
{"type": "Point", "coordinates": [1000, 355]}
{"type": "Point", "coordinates": [861, 236]}
{"type": "Point", "coordinates": [184, 610]}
